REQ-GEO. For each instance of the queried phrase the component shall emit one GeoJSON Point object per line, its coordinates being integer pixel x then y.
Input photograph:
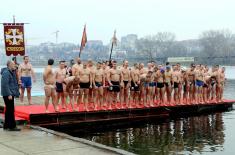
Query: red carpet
{"type": "Point", "coordinates": [23, 112]}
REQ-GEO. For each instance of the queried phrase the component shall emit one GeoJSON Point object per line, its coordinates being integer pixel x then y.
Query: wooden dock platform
{"type": "Point", "coordinates": [35, 114]}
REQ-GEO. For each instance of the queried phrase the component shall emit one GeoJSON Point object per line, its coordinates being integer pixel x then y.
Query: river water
{"type": "Point", "coordinates": [206, 134]}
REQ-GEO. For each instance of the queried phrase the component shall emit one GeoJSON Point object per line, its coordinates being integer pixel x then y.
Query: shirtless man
{"type": "Point", "coordinates": [85, 84]}
{"type": "Point", "coordinates": [155, 92]}
{"type": "Point", "coordinates": [222, 83]}
{"type": "Point", "coordinates": [206, 85]}
{"type": "Point", "coordinates": [176, 75]}
{"type": "Point", "coordinates": [185, 83]}
{"type": "Point", "coordinates": [115, 80]}
{"type": "Point", "coordinates": [127, 83]}
{"type": "Point", "coordinates": [218, 83]}
{"type": "Point", "coordinates": [160, 84]}
{"type": "Point", "coordinates": [168, 81]}
{"type": "Point", "coordinates": [150, 67]}
{"type": "Point", "coordinates": [105, 68]}
{"type": "Point", "coordinates": [180, 81]}
{"type": "Point", "coordinates": [149, 88]}
{"type": "Point", "coordinates": [76, 67]}
{"type": "Point", "coordinates": [98, 83]}
{"type": "Point", "coordinates": [91, 66]}
{"type": "Point", "coordinates": [49, 88]}
{"type": "Point", "coordinates": [143, 72]}
{"type": "Point", "coordinates": [26, 73]}
{"type": "Point", "coordinates": [199, 76]}
{"type": "Point", "coordinates": [71, 89]}
{"type": "Point", "coordinates": [142, 69]}
{"type": "Point", "coordinates": [191, 83]}
{"type": "Point", "coordinates": [60, 75]}
{"type": "Point", "coordinates": [214, 79]}
{"type": "Point", "coordinates": [135, 85]}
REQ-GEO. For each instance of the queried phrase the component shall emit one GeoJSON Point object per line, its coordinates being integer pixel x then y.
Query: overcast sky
{"type": "Point", "coordinates": [186, 18]}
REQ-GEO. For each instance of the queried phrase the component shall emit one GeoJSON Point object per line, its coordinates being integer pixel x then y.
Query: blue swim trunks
{"type": "Point", "coordinates": [199, 83]}
{"type": "Point", "coordinates": [26, 82]}
{"type": "Point", "coordinates": [152, 84]}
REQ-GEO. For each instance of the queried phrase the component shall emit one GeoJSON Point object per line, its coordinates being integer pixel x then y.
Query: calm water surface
{"type": "Point", "coordinates": [206, 134]}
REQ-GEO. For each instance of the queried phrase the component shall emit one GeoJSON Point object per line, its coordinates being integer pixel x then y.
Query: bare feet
{"type": "Point", "coordinates": [57, 109]}
{"type": "Point", "coordinates": [95, 108]}
{"type": "Point", "coordinates": [75, 110]}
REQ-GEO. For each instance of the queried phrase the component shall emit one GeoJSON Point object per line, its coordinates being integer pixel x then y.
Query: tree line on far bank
{"type": "Point", "coordinates": [212, 46]}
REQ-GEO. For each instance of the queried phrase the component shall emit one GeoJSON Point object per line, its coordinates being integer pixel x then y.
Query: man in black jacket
{"type": "Point", "coordinates": [9, 90]}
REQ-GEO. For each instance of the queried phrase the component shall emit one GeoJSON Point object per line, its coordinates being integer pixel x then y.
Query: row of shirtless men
{"type": "Point", "coordinates": [106, 84]}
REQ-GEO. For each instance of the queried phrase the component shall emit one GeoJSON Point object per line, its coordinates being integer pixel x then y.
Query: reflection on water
{"type": "Point", "coordinates": [188, 135]}
{"type": "Point", "coordinates": [205, 134]}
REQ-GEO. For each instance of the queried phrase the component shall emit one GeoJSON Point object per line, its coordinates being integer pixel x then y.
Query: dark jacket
{"type": "Point", "coordinates": [9, 84]}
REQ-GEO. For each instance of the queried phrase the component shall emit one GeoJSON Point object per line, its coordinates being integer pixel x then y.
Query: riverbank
{"type": "Point", "coordinates": [40, 141]}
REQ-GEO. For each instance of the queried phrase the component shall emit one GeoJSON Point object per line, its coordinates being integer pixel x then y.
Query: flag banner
{"type": "Point", "coordinates": [84, 38]}
{"type": "Point", "coordinates": [83, 41]}
{"type": "Point", "coordinates": [14, 38]}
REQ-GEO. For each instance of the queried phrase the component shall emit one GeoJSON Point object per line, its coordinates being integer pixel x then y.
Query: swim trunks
{"type": "Point", "coordinates": [134, 87]}
{"type": "Point", "coordinates": [84, 85]}
{"type": "Point", "coordinates": [26, 82]}
{"type": "Point", "coordinates": [160, 85]}
{"type": "Point", "coordinates": [59, 87]}
{"type": "Point", "coordinates": [199, 83]}
{"type": "Point", "coordinates": [115, 86]}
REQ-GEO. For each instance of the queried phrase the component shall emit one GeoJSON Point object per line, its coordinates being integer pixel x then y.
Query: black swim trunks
{"type": "Point", "coordinates": [213, 82]}
{"type": "Point", "coordinates": [185, 87]}
{"type": "Point", "coordinates": [134, 87]}
{"type": "Point", "coordinates": [205, 85]}
{"type": "Point", "coordinates": [59, 87]}
{"type": "Point", "coordinates": [84, 85]}
{"type": "Point", "coordinates": [167, 84]}
{"type": "Point", "coordinates": [176, 85]}
{"type": "Point", "coordinates": [115, 86]}
{"type": "Point", "coordinates": [125, 83]}
{"type": "Point", "coordinates": [160, 85]}
{"type": "Point", "coordinates": [98, 84]}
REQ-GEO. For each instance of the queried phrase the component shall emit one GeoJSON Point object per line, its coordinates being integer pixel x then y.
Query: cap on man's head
{"type": "Point", "coordinates": [61, 61]}
{"type": "Point", "coordinates": [168, 67]}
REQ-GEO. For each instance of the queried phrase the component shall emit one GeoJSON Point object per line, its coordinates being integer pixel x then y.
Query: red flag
{"type": "Point", "coordinates": [14, 38]}
{"type": "Point", "coordinates": [83, 41]}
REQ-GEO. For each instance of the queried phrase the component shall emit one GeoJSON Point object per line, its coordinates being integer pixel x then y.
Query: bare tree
{"type": "Point", "coordinates": [157, 45]}
{"type": "Point", "coordinates": [217, 43]}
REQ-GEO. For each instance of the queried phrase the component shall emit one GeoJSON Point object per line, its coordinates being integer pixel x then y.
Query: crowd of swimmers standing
{"type": "Point", "coordinates": [107, 85]}
{"type": "Point", "coordinates": [104, 85]}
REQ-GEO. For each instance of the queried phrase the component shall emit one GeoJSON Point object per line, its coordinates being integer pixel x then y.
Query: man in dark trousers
{"type": "Point", "coordinates": [9, 90]}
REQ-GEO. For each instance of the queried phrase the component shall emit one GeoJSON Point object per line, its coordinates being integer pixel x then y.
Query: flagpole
{"type": "Point", "coordinates": [114, 42]}
{"type": "Point", "coordinates": [110, 56]}
{"type": "Point", "coordinates": [14, 21]}
{"type": "Point", "coordinates": [80, 51]}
